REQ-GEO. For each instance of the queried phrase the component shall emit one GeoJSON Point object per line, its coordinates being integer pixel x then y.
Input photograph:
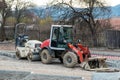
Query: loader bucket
{"type": "Point", "coordinates": [94, 63]}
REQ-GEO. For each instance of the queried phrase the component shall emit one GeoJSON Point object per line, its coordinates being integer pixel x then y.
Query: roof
{"type": "Point", "coordinates": [115, 23]}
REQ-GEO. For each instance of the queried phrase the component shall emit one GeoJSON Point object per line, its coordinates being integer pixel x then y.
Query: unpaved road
{"type": "Point", "coordinates": [7, 46]}
{"type": "Point", "coordinates": [55, 68]}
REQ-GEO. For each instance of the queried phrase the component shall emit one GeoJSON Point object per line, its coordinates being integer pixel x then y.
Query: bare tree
{"type": "Point", "coordinates": [90, 10]}
{"type": "Point", "coordinates": [5, 11]}
{"type": "Point", "coordinates": [20, 9]}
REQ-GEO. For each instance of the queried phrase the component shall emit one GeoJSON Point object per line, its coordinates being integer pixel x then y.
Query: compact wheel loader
{"type": "Point", "coordinates": [60, 45]}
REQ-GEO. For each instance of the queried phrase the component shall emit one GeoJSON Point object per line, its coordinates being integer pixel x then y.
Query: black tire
{"type": "Point", "coordinates": [70, 59]}
{"type": "Point", "coordinates": [46, 58]}
{"type": "Point", "coordinates": [18, 56]}
{"type": "Point", "coordinates": [30, 57]}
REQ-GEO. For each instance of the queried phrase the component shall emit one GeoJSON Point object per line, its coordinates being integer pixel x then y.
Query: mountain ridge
{"type": "Point", "coordinates": [42, 12]}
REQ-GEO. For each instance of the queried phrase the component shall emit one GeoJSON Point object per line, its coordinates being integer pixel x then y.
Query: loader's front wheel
{"type": "Point", "coordinates": [46, 58]}
{"type": "Point", "coordinates": [70, 59]}
{"type": "Point", "coordinates": [18, 56]}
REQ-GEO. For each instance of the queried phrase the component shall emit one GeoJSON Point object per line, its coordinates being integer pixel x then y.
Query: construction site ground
{"type": "Point", "coordinates": [56, 70]}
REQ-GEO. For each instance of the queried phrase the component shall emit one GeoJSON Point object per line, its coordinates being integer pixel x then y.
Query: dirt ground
{"type": "Point", "coordinates": [7, 46]}
{"type": "Point", "coordinates": [56, 68]}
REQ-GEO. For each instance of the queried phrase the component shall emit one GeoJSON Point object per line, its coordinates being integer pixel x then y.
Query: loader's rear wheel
{"type": "Point", "coordinates": [30, 57]}
{"type": "Point", "coordinates": [18, 56]}
{"type": "Point", "coordinates": [70, 59]}
{"type": "Point", "coordinates": [46, 57]}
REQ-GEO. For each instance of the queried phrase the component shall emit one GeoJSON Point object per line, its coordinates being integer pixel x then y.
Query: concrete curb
{"type": "Point", "coordinates": [13, 75]}
{"type": "Point", "coordinates": [50, 77]}
{"type": "Point", "coordinates": [106, 76]}
{"type": "Point", "coordinates": [101, 53]}
{"type": "Point", "coordinates": [8, 53]}
{"type": "Point", "coordinates": [105, 53]}
{"type": "Point", "coordinates": [24, 75]}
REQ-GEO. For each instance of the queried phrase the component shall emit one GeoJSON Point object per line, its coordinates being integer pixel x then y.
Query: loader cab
{"type": "Point", "coordinates": [60, 36]}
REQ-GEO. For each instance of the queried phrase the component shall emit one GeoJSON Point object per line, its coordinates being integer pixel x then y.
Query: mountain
{"type": "Point", "coordinates": [57, 14]}
{"type": "Point", "coordinates": [115, 11]}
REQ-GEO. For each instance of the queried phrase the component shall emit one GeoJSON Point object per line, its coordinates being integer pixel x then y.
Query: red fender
{"type": "Point", "coordinates": [78, 52]}
{"type": "Point", "coordinates": [45, 43]}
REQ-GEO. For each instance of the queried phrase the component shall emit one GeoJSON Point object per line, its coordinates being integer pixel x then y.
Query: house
{"type": "Point", "coordinates": [115, 23]}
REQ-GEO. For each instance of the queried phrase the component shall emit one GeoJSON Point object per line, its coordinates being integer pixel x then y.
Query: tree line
{"type": "Point", "coordinates": [86, 11]}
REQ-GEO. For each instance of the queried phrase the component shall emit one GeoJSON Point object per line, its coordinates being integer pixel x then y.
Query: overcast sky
{"type": "Point", "coordinates": [44, 2]}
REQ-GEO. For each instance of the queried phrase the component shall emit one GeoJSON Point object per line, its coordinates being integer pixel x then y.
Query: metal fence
{"type": "Point", "coordinates": [32, 33]}
{"type": "Point", "coordinates": [107, 38]}
{"type": "Point", "coordinates": [113, 38]}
